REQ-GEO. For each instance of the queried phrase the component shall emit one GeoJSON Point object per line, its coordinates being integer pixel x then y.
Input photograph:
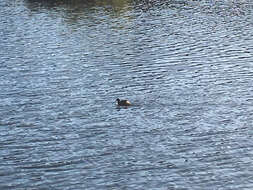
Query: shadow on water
{"type": "Point", "coordinates": [75, 5]}
{"type": "Point", "coordinates": [110, 5]}
{"type": "Point", "coordinates": [74, 10]}
{"type": "Point", "coordinates": [96, 11]}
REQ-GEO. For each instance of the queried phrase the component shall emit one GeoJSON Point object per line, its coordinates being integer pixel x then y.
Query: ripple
{"type": "Point", "coordinates": [185, 65]}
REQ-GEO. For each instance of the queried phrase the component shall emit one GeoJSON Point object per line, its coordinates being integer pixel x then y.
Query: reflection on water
{"type": "Point", "coordinates": [77, 6]}
{"type": "Point", "coordinates": [185, 65]}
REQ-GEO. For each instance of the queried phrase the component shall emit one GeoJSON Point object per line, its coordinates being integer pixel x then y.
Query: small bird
{"type": "Point", "coordinates": [123, 102]}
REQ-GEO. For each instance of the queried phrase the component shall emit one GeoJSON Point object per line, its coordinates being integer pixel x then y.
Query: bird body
{"type": "Point", "coordinates": [123, 102]}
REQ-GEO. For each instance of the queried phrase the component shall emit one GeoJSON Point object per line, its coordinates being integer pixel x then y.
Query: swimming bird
{"type": "Point", "coordinates": [123, 102]}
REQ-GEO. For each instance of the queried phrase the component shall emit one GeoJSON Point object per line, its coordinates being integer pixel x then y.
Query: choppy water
{"type": "Point", "coordinates": [187, 66]}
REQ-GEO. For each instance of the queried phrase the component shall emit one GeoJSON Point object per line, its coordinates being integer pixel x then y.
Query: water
{"type": "Point", "coordinates": [186, 66]}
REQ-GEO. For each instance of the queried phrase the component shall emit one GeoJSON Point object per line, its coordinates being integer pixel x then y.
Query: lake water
{"type": "Point", "coordinates": [186, 65]}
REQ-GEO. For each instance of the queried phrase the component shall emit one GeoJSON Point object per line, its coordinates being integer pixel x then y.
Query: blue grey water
{"type": "Point", "coordinates": [186, 65]}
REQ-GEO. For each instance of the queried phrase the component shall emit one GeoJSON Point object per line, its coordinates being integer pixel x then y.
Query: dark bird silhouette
{"type": "Point", "coordinates": [123, 102]}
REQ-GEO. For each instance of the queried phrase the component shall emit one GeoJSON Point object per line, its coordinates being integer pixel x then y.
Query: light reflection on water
{"type": "Point", "coordinates": [186, 66]}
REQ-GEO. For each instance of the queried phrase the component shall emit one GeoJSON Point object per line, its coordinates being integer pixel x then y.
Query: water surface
{"type": "Point", "coordinates": [185, 65]}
